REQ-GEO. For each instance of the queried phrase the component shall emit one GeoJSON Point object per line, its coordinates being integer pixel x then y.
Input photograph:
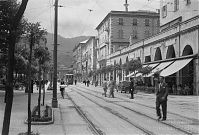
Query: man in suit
{"type": "Point", "coordinates": [131, 88]}
{"type": "Point", "coordinates": [161, 99]}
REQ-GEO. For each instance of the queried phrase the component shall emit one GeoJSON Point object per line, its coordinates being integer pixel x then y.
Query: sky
{"type": "Point", "coordinates": [74, 17]}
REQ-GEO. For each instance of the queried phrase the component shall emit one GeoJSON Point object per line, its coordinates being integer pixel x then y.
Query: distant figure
{"type": "Point", "coordinates": [75, 81]}
{"type": "Point", "coordinates": [131, 88]}
{"type": "Point", "coordinates": [105, 87]}
{"type": "Point", "coordinates": [96, 83]}
{"type": "Point", "coordinates": [88, 82]}
{"type": "Point", "coordinates": [62, 88]}
{"type": "Point", "coordinates": [161, 99]}
{"type": "Point", "coordinates": [84, 82]}
{"type": "Point", "coordinates": [111, 86]}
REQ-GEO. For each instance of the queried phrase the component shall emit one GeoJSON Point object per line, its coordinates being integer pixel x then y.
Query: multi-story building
{"type": "Point", "coordinates": [89, 57]}
{"type": "Point", "coordinates": [117, 27]}
{"type": "Point", "coordinates": [174, 51]}
{"type": "Point", "coordinates": [77, 60]}
{"type": "Point", "coordinates": [84, 55]}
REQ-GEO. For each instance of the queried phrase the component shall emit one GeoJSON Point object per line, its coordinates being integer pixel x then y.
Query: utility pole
{"type": "Point", "coordinates": [54, 99]}
{"type": "Point", "coordinates": [30, 83]}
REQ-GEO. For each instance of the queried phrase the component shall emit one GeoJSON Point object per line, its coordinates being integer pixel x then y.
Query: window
{"type": "Point", "coordinates": [147, 33]}
{"type": "Point", "coordinates": [134, 21]}
{"type": "Point", "coordinates": [120, 33]}
{"type": "Point", "coordinates": [176, 5]}
{"type": "Point", "coordinates": [146, 22]}
{"type": "Point", "coordinates": [188, 2]}
{"type": "Point", "coordinates": [164, 11]}
{"type": "Point", "coordinates": [134, 35]}
{"type": "Point", "coordinates": [120, 21]}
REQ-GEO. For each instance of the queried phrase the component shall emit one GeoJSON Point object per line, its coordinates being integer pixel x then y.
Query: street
{"type": "Point", "coordinates": [84, 110]}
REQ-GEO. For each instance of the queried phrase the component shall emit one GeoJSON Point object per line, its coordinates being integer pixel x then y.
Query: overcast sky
{"type": "Point", "coordinates": [74, 17]}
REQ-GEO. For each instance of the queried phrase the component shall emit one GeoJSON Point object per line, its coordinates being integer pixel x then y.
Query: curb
{"type": "Point", "coordinates": [42, 123]}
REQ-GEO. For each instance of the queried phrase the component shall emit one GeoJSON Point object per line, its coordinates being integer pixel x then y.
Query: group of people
{"type": "Point", "coordinates": [111, 85]}
{"type": "Point", "coordinates": [87, 83]}
{"type": "Point", "coordinates": [161, 94]}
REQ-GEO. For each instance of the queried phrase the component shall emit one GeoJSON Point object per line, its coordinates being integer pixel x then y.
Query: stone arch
{"type": "Point", "coordinates": [170, 52]}
{"type": "Point", "coordinates": [158, 55]}
{"type": "Point", "coordinates": [187, 50]}
{"type": "Point", "coordinates": [188, 71]}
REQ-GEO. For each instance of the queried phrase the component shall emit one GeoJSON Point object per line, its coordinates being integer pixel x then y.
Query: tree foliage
{"type": "Point", "coordinates": [133, 65]}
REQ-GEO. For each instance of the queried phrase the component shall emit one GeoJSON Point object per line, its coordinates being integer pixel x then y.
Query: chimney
{"type": "Point", "coordinates": [126, 6]}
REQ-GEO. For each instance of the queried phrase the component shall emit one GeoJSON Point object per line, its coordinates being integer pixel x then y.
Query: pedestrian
{"type": "Point", "coordinates": [131, 88]}
{"type": "Point", "coordinates": [96, 83]}
{"type": "Point", "coordinates": [161, 99]}
{"type": "Point", "coordinates": [105, 87]}
{"type": "Point", "coordinates": [62, 88]}
{"type": "Point", "coordinates": [84, 82]}
{"type": "Point", "coordinates": [88, 82]}
{"type": "Point", "coordinates": [111, 87]}
{"type": "Point", "coordinates": [75, 81]}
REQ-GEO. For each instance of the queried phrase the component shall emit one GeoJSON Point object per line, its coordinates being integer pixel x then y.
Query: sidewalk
{"type": "Point", "coordinates": [187, 106]}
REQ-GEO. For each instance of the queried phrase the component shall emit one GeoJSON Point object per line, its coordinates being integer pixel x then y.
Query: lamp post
{"type": "Point", "coordinates": [54, 99]}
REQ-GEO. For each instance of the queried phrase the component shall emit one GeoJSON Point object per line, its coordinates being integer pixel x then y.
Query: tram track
{"type": "Point", "coordinates": [91, 126]}
{"type": "Point", "coordinates": [145, 131]}
{"type": "Point", "coordinates": [139, 113]}
{"type": "Point", "coordinates": [184, 117]}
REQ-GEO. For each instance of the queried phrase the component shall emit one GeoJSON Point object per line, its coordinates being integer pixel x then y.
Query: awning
{"type": "Point", "coordinates": [153, 65]}
{"type": "Point", "coordinates": [160, 67]}
{"type": "Point", "coordinates": [136, 72]}
{"type": "Point", "coordinates": [132, 74]}
{"type": "Point", "coordinates": [175, 67]}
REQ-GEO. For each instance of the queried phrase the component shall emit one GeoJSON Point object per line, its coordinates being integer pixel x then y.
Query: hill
{"type": "Point", "coordinates": [65, 48]}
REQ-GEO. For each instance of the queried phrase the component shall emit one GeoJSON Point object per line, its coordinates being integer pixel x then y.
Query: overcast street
{"type": "Point", "coordinates": [85, 111]}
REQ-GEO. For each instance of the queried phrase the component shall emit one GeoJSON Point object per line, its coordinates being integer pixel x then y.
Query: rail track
{"type": "Point", "coordinates": [139, 113]}
{"type": "Point", "coordinates": [91, 126]}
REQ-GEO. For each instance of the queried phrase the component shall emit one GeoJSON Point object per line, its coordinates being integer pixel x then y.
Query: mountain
{"type": "Point", "coordinates": [65, 48]}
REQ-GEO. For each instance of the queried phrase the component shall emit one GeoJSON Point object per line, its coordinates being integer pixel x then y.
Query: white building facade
{"type": "Point", "coordinates": [174, 51]}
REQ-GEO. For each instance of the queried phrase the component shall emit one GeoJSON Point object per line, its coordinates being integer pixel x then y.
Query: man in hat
{"type": "Point", "coordinates": [161, 98]}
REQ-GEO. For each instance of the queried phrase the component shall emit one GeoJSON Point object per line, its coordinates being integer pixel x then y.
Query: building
{"type": "Point", "coordinates": [115, 30]}
{"type": "Point", "coordinates": [174, 51]}
{"type": "Point", "coordinates": [77, 60]}
{"type": "Point", "coordinates": [89, 58]}
{"type": "Point", "coordinates": [84, 55]}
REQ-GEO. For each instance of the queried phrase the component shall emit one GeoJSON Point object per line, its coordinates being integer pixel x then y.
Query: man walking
{"type": "Point", "coordinates": [111, 87]}
{"type": "Point", "coordinates": [105, 87]}
{"type": "Point", "coordinates": [161, 99]}
{"type": "Point", "coordinates": [131, 88]}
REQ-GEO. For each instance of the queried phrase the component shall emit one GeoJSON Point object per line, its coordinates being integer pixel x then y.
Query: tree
{"type": "Point", "coordinates": [133, 65]}
{"type": "Point", "coordinates": [43, 56]}
{"type": "Point", "coordinates": [15, 18]}
{"type": "Point", "coordinates": [145, 70]}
